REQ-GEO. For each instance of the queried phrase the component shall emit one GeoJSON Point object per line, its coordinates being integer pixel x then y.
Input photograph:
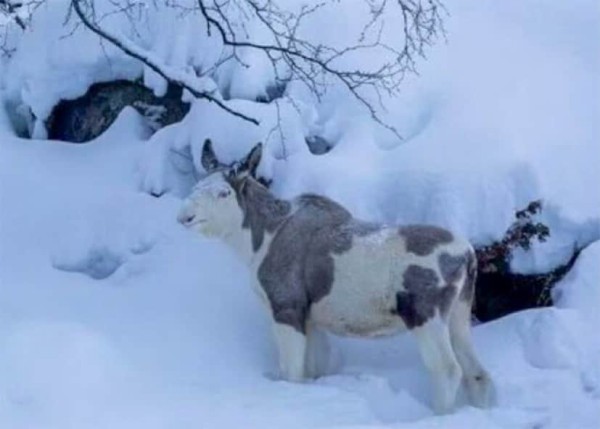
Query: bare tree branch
{"type": "Point", "coordinates": [137, 53]}
{"type": "Point", "coordinates": [293, 54]}
{"type": "Point", "coordinates": [9, 8]}
{"type": "Point", "coordinates": [307, 61]}
{"type": "Point", "coordinates": [17, 12]}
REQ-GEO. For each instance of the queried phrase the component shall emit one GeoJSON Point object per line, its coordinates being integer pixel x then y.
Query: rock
{"type": "Point", "coordinates": [318, 145]}
{"type": "Point", "coordinates": [85, 118]}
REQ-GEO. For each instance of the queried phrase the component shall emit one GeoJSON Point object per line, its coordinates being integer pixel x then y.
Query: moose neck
{"type": "Point", "coordinates": [262, 214]}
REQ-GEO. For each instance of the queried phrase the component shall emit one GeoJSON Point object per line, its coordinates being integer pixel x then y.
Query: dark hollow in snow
{"type": "Point", "coordinates": [85, 118]}
{"type": "Point", "coordinates": [503, 292]}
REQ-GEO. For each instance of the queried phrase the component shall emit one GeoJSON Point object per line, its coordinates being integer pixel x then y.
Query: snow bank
{"type": "Point", "coordinates": [581, 290]}
{"type": "Point", "coordinates": [175, 337]}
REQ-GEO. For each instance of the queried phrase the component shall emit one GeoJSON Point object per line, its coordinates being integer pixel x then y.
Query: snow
{"type": "Point", "coordinates": [112, 315]}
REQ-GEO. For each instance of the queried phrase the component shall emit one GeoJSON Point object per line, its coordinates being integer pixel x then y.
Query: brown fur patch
{"type": "Point", "coordinates": [423, 239]}
{"type": "Point", "coordinates": [422, 296]}
{"type": "Point", "coordinates": [298, 269]}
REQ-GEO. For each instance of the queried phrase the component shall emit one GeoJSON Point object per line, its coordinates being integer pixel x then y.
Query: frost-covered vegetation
{"type": "Point", "coordinates": [111, 315]}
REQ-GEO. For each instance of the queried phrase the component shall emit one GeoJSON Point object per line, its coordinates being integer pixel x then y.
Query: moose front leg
{"type": "Point", "coordinates": [291, 344]}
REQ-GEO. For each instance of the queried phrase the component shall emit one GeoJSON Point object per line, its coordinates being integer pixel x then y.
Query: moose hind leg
{"type": "Point", "coordinates": [317, 352]}
{"type": "Point", "coordinates": [478, 383]}
{"type": "Point", "coordinates": [291, 345]}
{"type": "Point", "coordinates": [436, 351]}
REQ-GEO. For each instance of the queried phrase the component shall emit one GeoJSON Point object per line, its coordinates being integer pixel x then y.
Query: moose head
{"type": "Point", "coordinates": [213, 207]}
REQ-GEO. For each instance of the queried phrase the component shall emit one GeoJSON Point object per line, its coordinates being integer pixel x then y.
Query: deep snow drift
{"type": "Point", "coordinates": [113, 316]}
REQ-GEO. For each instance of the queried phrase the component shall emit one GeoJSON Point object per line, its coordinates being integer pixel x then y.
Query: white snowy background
{"type": "Point", "coordinates": [113, 316]}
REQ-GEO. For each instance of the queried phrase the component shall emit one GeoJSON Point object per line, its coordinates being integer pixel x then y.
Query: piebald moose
{"type": "Point", "coordinates": [319, 269]}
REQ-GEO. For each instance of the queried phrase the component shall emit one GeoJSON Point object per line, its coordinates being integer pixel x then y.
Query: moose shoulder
{"type": "Point", "coordinates": [317, 267]}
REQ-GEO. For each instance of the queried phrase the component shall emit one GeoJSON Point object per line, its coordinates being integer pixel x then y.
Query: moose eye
{"type": "Point", "coordinates": [224, 193]}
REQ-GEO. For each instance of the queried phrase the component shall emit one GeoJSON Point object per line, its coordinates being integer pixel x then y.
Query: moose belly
{"type": "Point", "coordinates": [370, 322]}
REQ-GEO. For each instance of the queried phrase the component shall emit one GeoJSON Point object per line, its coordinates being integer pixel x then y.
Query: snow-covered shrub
{"type": "Point", "coordinates": [500, 289]}
{"type": "Point", "coordinates": [497, 255]}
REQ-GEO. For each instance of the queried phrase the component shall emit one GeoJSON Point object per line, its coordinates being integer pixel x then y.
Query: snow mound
{"type": "Point", "coordinates": [98, 263]}
{"type": "Point", "coordinates": [548, 342]}
{"type": "Point", "coordinates": [580, 290]}
{"type": "Point", "coordinates": [59, 372]}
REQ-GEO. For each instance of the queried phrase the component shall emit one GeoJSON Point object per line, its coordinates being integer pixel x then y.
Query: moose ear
{"type": "Point", "coordinates": [253, 159]}
{"type": "Point", "coordinates": [209, 159]}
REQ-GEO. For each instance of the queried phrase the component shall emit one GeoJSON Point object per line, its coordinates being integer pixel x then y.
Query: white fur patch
{"type": "Point", "coordinates": [363, 296]}
{"type": "Point", "coordinates": [362, 301]}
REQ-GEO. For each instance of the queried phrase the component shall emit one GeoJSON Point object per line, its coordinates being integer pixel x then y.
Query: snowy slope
{"type": "Point", "coordinates": [113, 316]}
{"type": "Point", "coordinates": [175, 338]}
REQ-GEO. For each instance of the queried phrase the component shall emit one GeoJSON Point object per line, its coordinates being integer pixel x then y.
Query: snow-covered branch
{"type": "Point", "coordinates": [14, 15]}
{"type": "Point", "coordinates": [284, 34]}
{"type": "Point", "coordinates": [10, 10]}
{"type": "Point", "coordinates": [170, 74]}
{"type": "Point", "coordinates": [308, 60]}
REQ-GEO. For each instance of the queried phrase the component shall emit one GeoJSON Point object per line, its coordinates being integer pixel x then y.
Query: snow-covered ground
{"type": "Point", "coordinates": [113, 316]}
